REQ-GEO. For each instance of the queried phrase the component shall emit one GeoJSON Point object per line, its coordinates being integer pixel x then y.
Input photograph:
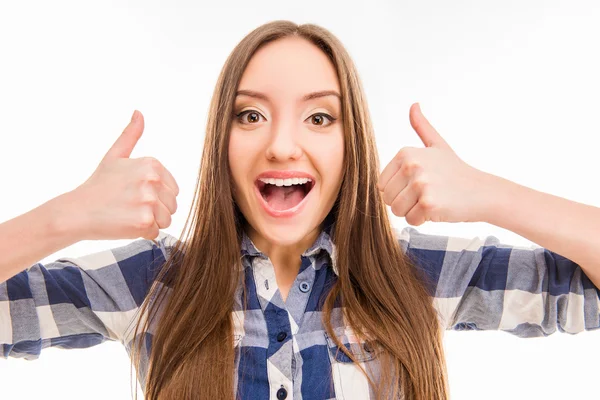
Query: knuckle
{"type": "Point", "coordinates": [397, 161]}
{"type": "Point", "coordinates": [419, 184]}
{"type": "Point", "coordinates": [152, 162]}
{"type": "Point", "coordinates": [414, 221]}
{"type": "Point", "coordinates": [427, 203]}
{"type": "Point", "coordinates": [411, 166]}
{"type": "Point", "coordinates": [149, 199]}
{"type": "Point", "coordinates": [146, 220]}
{"type": "Point", "coordinates": [414, 217]}
{"type": "Point", "coordinates": [402, 153]}
{"type": "Point", "coordinates": [151, 177]}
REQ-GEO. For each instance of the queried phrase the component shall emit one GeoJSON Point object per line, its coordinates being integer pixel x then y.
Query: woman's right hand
{"type": "Point", "coordinates": [125, 198]}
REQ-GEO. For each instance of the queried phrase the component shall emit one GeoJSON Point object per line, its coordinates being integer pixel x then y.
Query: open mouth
{"type": "Point", "coordinates": [284, 194]}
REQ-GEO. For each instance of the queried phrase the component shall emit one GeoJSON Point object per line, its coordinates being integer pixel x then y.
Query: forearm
{"type": "Point", "coordinates": [565, 227]}
{"type": "Point", "coordinates": [34, 235]}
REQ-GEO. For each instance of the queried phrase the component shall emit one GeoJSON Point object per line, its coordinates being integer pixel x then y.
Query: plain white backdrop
{"type": "Point", "coordinates": [511, 85]}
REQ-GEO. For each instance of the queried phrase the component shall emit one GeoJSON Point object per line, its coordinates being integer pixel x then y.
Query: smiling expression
{"type": "Point", "coordinates": [286, 145]}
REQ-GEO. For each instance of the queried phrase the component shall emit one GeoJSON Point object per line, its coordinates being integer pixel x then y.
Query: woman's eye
{"type": "Point", "coordinates": [318, 119]}
{"type": "Point", "coordinates": [250, 116]}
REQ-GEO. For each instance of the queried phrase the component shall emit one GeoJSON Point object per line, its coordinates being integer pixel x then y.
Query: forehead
{"type": "Point", "coordinates": [288, 68]}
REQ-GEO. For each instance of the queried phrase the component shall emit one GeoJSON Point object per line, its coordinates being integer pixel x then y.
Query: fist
{"type": "Point", "coordinates": [432, 183]}
{"type": "Point", "coordinates": [125, 198]}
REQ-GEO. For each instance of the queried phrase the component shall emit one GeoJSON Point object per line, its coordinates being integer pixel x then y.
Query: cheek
{"type": "Point", "coordinates": [242, 153]}
{"type": "Point", "coordinates": [329, 156]}
{"type": "Point", "coordinates": [237, 147]}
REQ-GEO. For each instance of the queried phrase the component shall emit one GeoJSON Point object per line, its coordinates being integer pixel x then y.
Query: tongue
{"type": "Point", "coordinates": [283, 197]}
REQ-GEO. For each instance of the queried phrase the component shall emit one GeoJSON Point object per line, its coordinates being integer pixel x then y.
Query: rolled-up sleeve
{"type": "Point", "coordinates": [78, 302]}
{"type": "Point", "coordinates": [482, 284]}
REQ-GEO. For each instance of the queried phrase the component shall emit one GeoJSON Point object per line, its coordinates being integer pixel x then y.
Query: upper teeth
{"type": "Point", "coordinates": [285, 182]}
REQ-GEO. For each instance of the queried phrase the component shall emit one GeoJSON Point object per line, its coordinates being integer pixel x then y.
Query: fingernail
{"type": "Point", "coordinates": [134, 116]}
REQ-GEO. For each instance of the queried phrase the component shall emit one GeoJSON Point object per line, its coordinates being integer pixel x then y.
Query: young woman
{"type": "Point", "coordinates": [291, 282]}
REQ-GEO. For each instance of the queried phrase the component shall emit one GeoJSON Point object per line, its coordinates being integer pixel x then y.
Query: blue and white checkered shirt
{"type": "Point", "coordinates": [282, 349]}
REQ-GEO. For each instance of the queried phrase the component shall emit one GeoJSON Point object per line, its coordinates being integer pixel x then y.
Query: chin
{"type": "Point", "coordinates": [285, 235]}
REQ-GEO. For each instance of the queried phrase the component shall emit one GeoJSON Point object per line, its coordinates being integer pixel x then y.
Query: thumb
{"type": "Point", "coordinates": [429, 136]}
{"type": "Point", "coordinates": [124, 145]}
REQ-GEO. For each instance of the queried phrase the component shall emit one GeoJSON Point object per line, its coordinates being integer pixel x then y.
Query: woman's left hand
{"type": "Point", "coordinates": [433, 183]}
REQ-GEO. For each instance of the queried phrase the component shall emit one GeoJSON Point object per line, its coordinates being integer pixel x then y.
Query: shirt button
{"type": "Point", "coordinates": [281, 337]}
{"type": "Point", "coordinates": [304, 287]}
{"type": "Point", "coordinates": [367, 347]}
{"type": "Point", "coordinates": [281, 394]}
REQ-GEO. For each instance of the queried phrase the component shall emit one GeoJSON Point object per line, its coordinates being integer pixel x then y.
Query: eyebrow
{"type": "Point", "coordinates": [306, 97]}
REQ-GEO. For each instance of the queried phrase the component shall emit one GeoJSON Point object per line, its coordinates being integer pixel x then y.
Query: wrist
{"type": "Point", "coordinates": [497, 196]}
{"type": "Point", "coordinates": [63, 220]}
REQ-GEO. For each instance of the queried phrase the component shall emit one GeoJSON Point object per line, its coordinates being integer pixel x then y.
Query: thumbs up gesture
{"type": "Point", "coordinates": [433, 183]}
{"type": "Point", "coordinates": [125, 198]}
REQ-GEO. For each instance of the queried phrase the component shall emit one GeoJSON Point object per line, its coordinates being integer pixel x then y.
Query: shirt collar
{"type": "Point", "coordinates": [323, 242]}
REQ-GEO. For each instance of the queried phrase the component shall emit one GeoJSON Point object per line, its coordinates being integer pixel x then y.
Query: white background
{"type": "Point", "coordinates": [511, 85]}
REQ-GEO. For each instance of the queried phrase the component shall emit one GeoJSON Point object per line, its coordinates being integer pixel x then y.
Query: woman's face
{"type": "Point", "coordinates": [281, 137]}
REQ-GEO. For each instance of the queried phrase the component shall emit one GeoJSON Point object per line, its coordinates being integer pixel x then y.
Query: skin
{"type": "Point", "coordinates": [283, 132]}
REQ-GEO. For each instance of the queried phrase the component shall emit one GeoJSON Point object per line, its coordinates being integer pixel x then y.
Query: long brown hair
{"type": "Point", "coordinates": [383, 294]}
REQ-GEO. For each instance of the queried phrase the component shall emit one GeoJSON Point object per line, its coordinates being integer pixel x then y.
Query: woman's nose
{"type": "Point", "coordinates": [283, 144]}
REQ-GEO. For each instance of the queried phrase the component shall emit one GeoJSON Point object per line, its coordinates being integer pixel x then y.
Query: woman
{"type": "Point", "coordinates": [292, 282]}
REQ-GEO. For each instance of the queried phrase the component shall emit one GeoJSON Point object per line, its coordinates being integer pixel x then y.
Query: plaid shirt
{"type": "Point", "coordinates": [281, 348]}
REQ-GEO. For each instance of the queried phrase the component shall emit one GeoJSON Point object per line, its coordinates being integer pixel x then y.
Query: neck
{"type": "Point", "coordinates": [285, 257]}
